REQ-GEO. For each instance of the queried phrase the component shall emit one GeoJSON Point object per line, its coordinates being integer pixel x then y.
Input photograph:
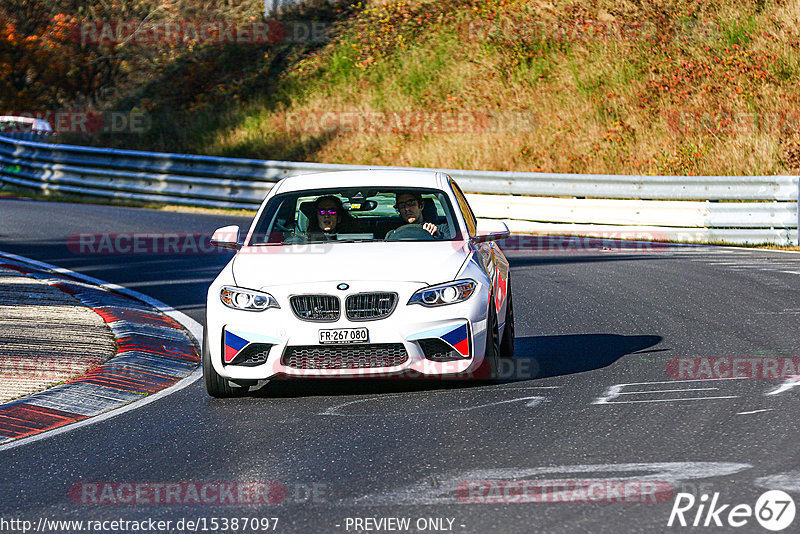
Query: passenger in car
{"type": "Point", "coordinates": [412, 207]}
{"type": "Point", "coordinates": [328, 219]}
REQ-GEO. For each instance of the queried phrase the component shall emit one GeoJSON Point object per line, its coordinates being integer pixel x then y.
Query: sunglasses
{"type": "Point", "coordinates": [406, 204]}
{"type": "Point", "coordinates": [327, 212]}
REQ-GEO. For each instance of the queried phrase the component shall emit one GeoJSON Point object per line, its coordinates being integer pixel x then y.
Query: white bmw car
{"type": "Point", "coordinates": [359, 274]}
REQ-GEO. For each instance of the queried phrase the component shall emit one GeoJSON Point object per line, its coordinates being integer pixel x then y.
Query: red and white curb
{"type": "Point", "coordinates": [156, 355]}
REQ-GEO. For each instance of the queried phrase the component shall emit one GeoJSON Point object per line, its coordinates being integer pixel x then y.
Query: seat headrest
{"type": "Point", "coordinates": [307, 209]}
{"type": "Point", "coordinates": [429, 212]}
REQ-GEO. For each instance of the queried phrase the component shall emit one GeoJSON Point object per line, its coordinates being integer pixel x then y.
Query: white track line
{"type": "Point", "coordinates": [194, 328]}
{"type": "Point", "coordinates": [758, 249]}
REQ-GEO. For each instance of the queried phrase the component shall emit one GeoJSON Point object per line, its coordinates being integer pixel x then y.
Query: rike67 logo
{"type": "Point", "coordinates": [774, 510]}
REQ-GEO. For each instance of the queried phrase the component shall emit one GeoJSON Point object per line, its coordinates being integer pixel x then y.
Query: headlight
{"type": "Point", "coordinates": [443, 294]}
{"type": "Point", "coordinates": [246, 299]}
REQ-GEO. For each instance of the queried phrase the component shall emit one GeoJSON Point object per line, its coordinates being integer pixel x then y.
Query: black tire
{"type": "Point", "coordinates": [507, 343]}
{"type": "Point", "coordinates": [217, 386]}
{"type": "Point", "coordinates": [491, 362]}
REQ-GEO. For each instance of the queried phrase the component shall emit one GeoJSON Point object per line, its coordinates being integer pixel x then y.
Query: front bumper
{"type": "Point", "coordinates": [233, 332]}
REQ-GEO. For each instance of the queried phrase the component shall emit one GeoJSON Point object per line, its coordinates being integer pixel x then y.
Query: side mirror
{"type": "Point", "coordinates": [226, 237]}
{"type": "Point", "coordinates": [491, 230]}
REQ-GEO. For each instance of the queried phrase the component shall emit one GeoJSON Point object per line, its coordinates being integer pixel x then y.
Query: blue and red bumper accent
{"type": "Point", "coordinates": [458, 339]}
{"type": "Point", "coordinates": [455, 335]}
{"type": "Point", "coordinates": [235, 343]}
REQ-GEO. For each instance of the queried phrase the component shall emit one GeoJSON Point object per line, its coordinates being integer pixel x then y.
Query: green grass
{"type": "Point", "coordinates": [740, 32]}
{"type": "Point", "coordinates": [786, 67]}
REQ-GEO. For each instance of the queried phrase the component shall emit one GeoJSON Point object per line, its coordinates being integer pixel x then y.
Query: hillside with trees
{"type": "Point", "coordinates": [597, 86]}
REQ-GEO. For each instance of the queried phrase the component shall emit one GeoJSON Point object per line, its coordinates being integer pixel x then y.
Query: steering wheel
{"type": "Point", "coordinates": [410, 232]}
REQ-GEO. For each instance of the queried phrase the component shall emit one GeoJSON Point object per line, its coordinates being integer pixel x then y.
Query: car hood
{"type": "Point", "coordinates": [424, 262]}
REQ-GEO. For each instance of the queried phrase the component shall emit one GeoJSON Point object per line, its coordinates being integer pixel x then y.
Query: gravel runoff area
{"type": "Point", "coordinates": [47, 336]}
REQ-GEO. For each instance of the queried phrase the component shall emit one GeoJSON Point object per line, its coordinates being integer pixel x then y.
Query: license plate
{"type": "Point", "coordinates": [344, 335]}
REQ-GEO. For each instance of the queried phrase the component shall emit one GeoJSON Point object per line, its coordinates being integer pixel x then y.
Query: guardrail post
{"type": "Point", "coordinates": [797, 241]}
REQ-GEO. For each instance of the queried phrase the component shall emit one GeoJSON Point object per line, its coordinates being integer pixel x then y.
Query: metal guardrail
{"type": "Point", "coordinates": [41, 137]}
{"type": "Point", "coordinates": [766, 210]}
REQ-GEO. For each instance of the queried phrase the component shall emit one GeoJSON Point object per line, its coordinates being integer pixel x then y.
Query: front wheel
{"type": "Point", "coordinates": [489, 368]}
{"type": "Point", "coordinates": [507, 344]}
{"type": "Point", "coordinates": [216, 385]}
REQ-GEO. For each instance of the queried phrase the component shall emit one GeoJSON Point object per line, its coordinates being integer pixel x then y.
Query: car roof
{"type": "Point", "coordinates": [365, 178]}
{"type": "Point", "coordinates": [37, 125]}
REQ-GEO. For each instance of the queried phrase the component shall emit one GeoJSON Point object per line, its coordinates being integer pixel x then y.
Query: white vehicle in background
{"type": "Point", "coordinates": [377, 298]}
{"type": "Point", "coordinates": [25, 128]}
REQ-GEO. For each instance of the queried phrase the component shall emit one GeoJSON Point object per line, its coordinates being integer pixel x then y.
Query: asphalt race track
{"type": "Point", "coordinates": [615, 340]}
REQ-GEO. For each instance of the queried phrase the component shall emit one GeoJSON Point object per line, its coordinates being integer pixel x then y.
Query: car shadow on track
{"type": "Point", "coordinates": [526, 261]}
{"type": "Point", "coordinates": [536, 357]}
{"type": "Point", "coordinates": [334, 387]}
{"type": "Point", "coordinates": [547, 356]}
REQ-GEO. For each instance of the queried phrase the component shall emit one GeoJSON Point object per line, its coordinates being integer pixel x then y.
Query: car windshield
{"type": "Point", "coordinates": [356, 215]}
